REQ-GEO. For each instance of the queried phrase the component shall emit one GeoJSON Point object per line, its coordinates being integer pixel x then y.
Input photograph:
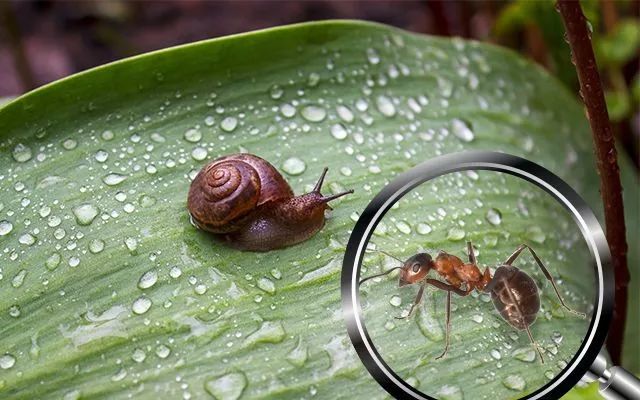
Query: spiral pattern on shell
{"type": "Point", "coordinates": [223, 192]}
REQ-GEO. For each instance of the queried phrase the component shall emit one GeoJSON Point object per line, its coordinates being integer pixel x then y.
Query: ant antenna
{"type": "Point", "coordinates": [389, 255]}
{"type": "Point", "coordinates": [377, 275]}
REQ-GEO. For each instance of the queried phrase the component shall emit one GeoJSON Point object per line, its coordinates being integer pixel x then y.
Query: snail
{"type": "Point", "coordinates": [248, 205]}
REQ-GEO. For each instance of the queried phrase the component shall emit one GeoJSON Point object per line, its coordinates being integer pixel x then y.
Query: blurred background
{"type": "Point", "coordinates": [41, 41]}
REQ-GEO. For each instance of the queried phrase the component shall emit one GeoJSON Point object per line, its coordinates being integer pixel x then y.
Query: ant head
{"type": "Point", "coordinates": [415, 269]}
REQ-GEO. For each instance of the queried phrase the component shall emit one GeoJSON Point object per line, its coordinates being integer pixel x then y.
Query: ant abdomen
{"type": "Point", "coordinates": [515, 296]}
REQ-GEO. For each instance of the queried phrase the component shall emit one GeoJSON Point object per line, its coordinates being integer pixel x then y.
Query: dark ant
{"type": "Point", "coordinates": [514, 293]}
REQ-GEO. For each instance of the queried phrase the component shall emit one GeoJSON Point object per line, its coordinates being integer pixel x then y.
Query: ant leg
{"type": "Point", "coordinates": [515, 255]}
{"type": "Point", "coordinates": [471, 254]}
{"type": "Point", "coordinates": [534, 344]}
{"type": "Point", "coordinates": [415, 302]}
{"type": "Point", "coordinates": [447, 327]}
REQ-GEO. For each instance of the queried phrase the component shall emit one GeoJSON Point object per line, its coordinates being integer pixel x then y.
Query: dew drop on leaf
{"type": "Point", "coordinates": [494, 216]}
{"type": "Point", "coordinates": [514, 382]}
{"type": "Point", "coordinates": [21, 153]}
{"type": "Point", "coordinates": [85, 213]}
{"type": "Point", "coordinates": [385, 106]}
{"type": "Point", "coordinates": [313, 113]}
{"type": "Point", "coordinates": [148, 279]}
{"type": "Point", "coordinates": [267, 285]}
{"type": "Point", "coordinates": [298, 355]}
{"type": "Point", "coordinates": [526, 354]}
{"type": "Point", "coordinates": [192, 135]}
{"type": "Point", "coordinates": [461, 130]}
{"type": "Point", "coordinates": [535, 234]}
{"type": "Point", "coordinates": [113, 179]}
{"type": "Point", "coordinates": [449, 392]}
{"type": "Point", "coordinates": [7, 361]}
{"type": "Point", "coordinates": [424, 228]}
{"type": "Point", "coordinates": [226, 387]}
{"type": "Point", "coordinates": [294, 166]}
{"type": "Point", "coordinates": [141, 305]}
{"type": "Point", "coordinates": [5, 227]}
{"type": "Point", "coordinates": [456, 234]}
{"type": "Point", "coordinates": [229, 124]}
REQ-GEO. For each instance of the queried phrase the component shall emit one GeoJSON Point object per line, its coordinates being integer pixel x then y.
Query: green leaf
{"type": "Point", "coordinates": [618, 104]}
{"type": "Point", "coordinates": [620, 45]}
{"type": "Point", "coordinates": [95, 171]}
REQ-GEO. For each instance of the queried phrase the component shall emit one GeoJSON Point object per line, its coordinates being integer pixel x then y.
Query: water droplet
{"type": "Point", "coordinates": [85, 213]}
{"type": "Point", "coordinates": [101, 156]}
{"type": "Point", "coordinates": [113, 179]}
{"type": "Point", "coordinates": [275, 92]}
{"type": "Point", "coordinates": [14, 311]}
{"type": "Point", "coordinates": [339, 132]}
{"type": "Point", "coordinates": [429, 326]}
{"type": "Point", "coordinates": [21, 153]}
{"type": "Point", "coordinates": [5, 227]}
{"type": "Point", "coordinates": [288, 110]}
{"type": "Point", "coordinates": [53, 261]}
{"type": "Point", "coordinates": [229, 124]}
{"type": "Point", "coordinates": [313, 79]}
{"type": "Point", "coordinates": [267, 285]}
{"type": "Point", "coordinates": [7, 361]}
{"type": "Point", "coordinates": [138, 355]}
{"type": "Point", "coordinates": [456, 234]}
{"type": "Point", "coordinates": [146, 201]}
{"type": "Point", "coordinates": [449, 392]}
{"type": "Point", "coordinates": [556, 337]}
{"type": "Point", "coordinates": [192, 135]}
{"type": "Point", "coordinates": [385, 106]}
{"type": "Point", "coordinates": [294, 166]}
{"type": "Point", "coordinates": [372, 56]}
{"type": "Point", "coordinates": [148, 279]}
{"type": "Point", "coordinates": [344, 113]}
{"type": "Point", "coordinates": [495, 353]}
{"type": "Point", "coordinates": [424, 228]}
{"type": "Point", "coordinates": [69, 144]}
{"type": "Point", "coordinates": [27, 239]}
{"type": "Point", "coordinates": [494, 216]}
{"type": "Point", "coordinates": [163, 351]}
{"type": "Point", "coordinates": [535, 234]}
{"type": "Point", "coordinates": [269, 332]}
{"type": "Point", "coordinates": [477, 318]}
{"type": "Point", "coordinates": [404, 227]}
{"type": "Point", "coordinates": [175, 272]}
{"type": "Point", "coordinates": [395, 301]}
{"type": "Point", "coordinates": [462, 130]}
{"type": "Point", "coordinates": [298, 356]}
{"type": "Point", "coordinates": [141, 305]}
{"type": "Point", "coordinates": [314, 113]}
{"type": "Point", "coordinates": [514, 382]}
{"type": "Point", "coordinates": [199, 153]}
{"type": "Point", "coordinates": [120, 375]}
{"type": "Point", "coordinates": [226, 387]}
{"type": "Point", "coordinates": [526, 354]}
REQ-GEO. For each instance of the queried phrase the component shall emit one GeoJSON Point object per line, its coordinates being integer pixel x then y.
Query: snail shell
{"type": "Point", "coordinates": [228, 190]}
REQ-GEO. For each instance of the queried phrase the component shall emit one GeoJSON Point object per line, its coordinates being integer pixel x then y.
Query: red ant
{"type": "Point", "coordinates": [514, 293]}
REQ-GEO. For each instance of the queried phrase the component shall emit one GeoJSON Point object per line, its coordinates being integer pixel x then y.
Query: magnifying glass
{"type": "Point", "coordinates": [527, 295]}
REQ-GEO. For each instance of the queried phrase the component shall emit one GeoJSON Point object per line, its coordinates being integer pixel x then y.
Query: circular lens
{"type": "Point", "coordinates": [472, 278]}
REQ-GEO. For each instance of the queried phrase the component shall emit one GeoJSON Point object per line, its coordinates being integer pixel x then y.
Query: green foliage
{"type": "Point", "coordinates": [109, 292]}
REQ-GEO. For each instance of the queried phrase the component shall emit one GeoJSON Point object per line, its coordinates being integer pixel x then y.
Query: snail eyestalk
{"type": "Point", "coordinates": [327, 199]}
{"type": "Point", "coordinates": [318, 185]}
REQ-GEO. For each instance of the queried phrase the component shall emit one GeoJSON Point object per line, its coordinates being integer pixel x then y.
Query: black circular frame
{"type": "Point", "coordinates": [477, 160]}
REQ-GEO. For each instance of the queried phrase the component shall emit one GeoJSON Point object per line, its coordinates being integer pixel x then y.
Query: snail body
{"type": "Point", "coordinates": [246, 203]}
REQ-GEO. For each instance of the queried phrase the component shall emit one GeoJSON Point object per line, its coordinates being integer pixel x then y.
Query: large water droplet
{"type": "Point", "coordinates": [269, 332]}
{"type": "Point", "coordinates": [267, 285]}
{"type": "Point", "coordinates": [456, 234]}
{"type": "Point", "coordinates": [276, 92]}
{"type": "Point", "coordinates": [27, 239]}
{"type": "Point", "coordinates": [113, 179]}
{"type": "Point", "coordinates": [229, 124]}
{"type": "Point", "coordinates": [526, 354]}
{"type": "Point", "coordinates": [148, 279]}
{"type": "Point", "coordinates": [21, 153]}
{"type": "Point", "coordinates": [494, 216]}
{"type": "Point", "coordinates": [314, 113]}
{"type": "Point", "coordinates": [339, 132]}
{"type": "Point", "coordinates": [372, 56]}
{"type": "Point", "coordinates": [192, 135]}
{"type": "Point", "coordinates": [345, 113]}
{"type": "Point", "coordinates": [138, 355]}
{"type": "Point", "coordinates": [85, 213]}
{"type": "Point", "coordinates": [424, 228]}
{"type": "Point", "coordinates": [298, 356]}
{"type": "Point", "coordinates": [385, 106]}
{"type": "Point", "coordinates": [429, 326]}
{"type": "Point", "coordinates": [514, 382]}
{"type": "Point", "coordinates": [141, 305]}
{"type": "Point", "coordinates": [7, 361]}
{"type": "Point", "coordinates": [226, 387]}
{"type": "Point", "coordinates": [449, 392]}
{"type": "Point", "coordinates": [163, 351]}
{"type": "Point", "coordinates": [5, 227]}
{"type": "Point", "coordinates": [462, 130]}
{"type": "Point", "coordinates": [535, 234]}
{"type": "Point", "coordinates": [294, 166]}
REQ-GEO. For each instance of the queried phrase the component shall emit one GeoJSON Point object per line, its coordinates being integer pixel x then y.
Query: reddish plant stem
{"type": "Point", "coordinates": [579, 39]}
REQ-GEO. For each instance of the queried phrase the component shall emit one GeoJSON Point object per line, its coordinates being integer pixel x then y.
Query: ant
{"type": "Point", "coordinates": [514, 293]}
